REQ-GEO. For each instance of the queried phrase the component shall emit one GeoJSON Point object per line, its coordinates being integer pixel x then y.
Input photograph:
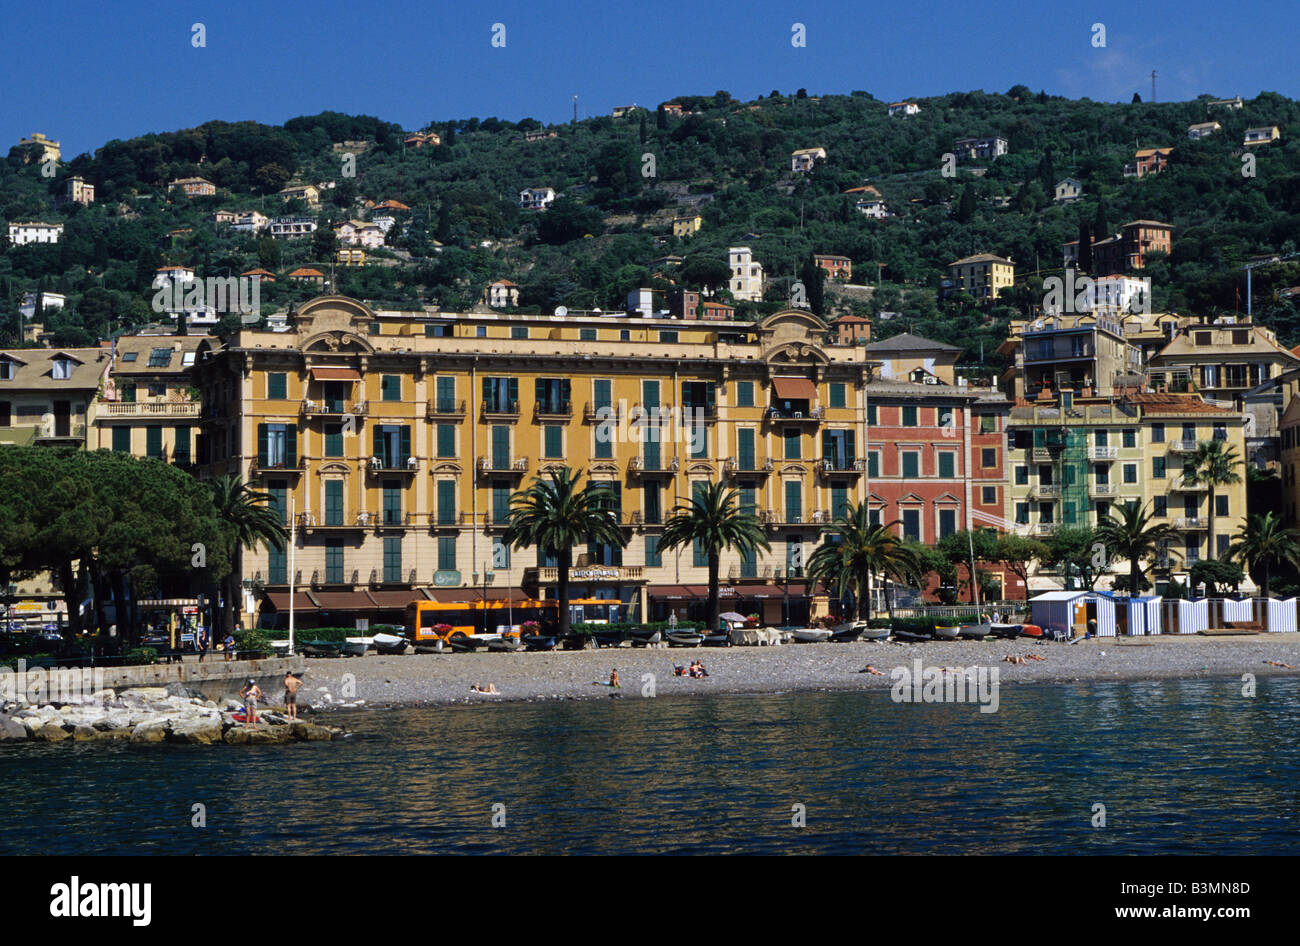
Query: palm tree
{"type": "Point", "coordinates": [1214, 464]}
{"type": "Point", "coordinates": [553, 515]}
{"type": "Point", "coordinates": [713, 522]}
{"type": "Point", "coordinates": [854, 550]}
{"type": "Point", "coordinates": [1130, 531]}
{"type": "Point", "coordinates": [249, 519]}
{"type": "Point", "coordinates": [1263, 543]}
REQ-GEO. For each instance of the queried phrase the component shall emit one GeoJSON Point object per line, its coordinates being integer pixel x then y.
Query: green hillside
{"type": "Point", "coordinates": [464, 228]}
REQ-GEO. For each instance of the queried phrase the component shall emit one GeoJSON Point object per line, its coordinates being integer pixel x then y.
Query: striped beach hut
{"type": "Point", "coordinates": [1282, 614]}
{"type": "Point", "coordinates": [1070, 611]}
{"type": "Point", "coordinates": [1243, 610]}
{"type": "Point", "coordinates": [1143, 614]}
{"type": "Point", "coordinates": [1192, 616]}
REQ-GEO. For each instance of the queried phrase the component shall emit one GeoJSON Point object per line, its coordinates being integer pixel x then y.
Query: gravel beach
{"type": "Point", "coordinates": [414, 680]}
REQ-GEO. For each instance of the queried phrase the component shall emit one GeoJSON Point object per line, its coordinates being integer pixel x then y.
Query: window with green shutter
{"type": "Point", "coordinates": [553, 438]}
{"type": "Point", "coordinates": [333, 440]}
{"type": "Point", "coordinates": [911, 464]}
{"type": "Point", "coordinates": [1130, 438]}
{"type": "Point", "coordinates": [446, 440]}
{"type": "Point", "coordinates": [391, 387]}
{"type": "Point", "coordinates": [649, 394]}
{"type": "Point", "coordinates": [392, 502]}
{"type": "Point", "coordinates": [122, 439]}
{"type": "Point", "coordinates": [699, 435]}
{"type": "Point", "coordinates": [278, 490]}
{"type": "Point", "coordinates": [447, 553]}
{"type": "Point", "coordinates": [793, 443]}
{"type": "Point", "coordinates": [793, 501]}
{"type": "Point", "coordinates": [909, 415]}
{"type": "Point", "coordinates": [873, 464]}
{"type": "Point", "coordinates": [276, 386]}
{"type": "Point", "coordinates": [500, 501]}
{"type": "Point", "coordinates": [947, 464]}
{"type": "Point", "coordinates": [181, 452]}
{"type": "Point", "coordinates": [446, 502]}
{"type": "Point", "coordinates": [500, 447]}
{"type": "Point", "coordinates": [873, 418]}
{"type": "Point", "coordinates": [1158, 468]}
{"type": "Point", "coordinates": [334, 561]}
{"type": "Point", "coordinates": [519, 331]}
{"type": "Point", "coordinates": [744, 393]}
{"type": "Point", "coordinates": [748, 500]}
{"type": "Point", "coordinates": [652, 503]}
{"type": "Point", "coordinates": [652, 557]}
{"type": "Point", "coordinates": [745, 448]}
{"type": "Point", "coordinates": [446, 394]}
{"type": "Point", "coordinates": [839, 499]}
{"type": "Point", "coordinates": [153, 442]}
{"type": "Point", "coordinates": [393, 558]}
{"type": "Point", "coordinates": [587, 334]}
{"type": "Point", "coordinates": [277, 567]}
{"type": "Point", "coordinates": [699, 557]}
{"type": "Point", "coordinates": [333, 502]}
{"type": "Point", "coordinates": [748, 564]}
{"type": "Point", "coordinates": [837, 394]}
{"type": "Point", "coordinates": [602, 393]}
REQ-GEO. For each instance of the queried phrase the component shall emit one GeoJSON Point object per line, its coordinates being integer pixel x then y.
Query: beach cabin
{"type": "Point", "coordinates": [1070, 612]}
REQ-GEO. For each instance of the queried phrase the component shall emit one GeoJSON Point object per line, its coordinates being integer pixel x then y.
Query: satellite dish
{"type": "Point", "coordinates": [561, 311]}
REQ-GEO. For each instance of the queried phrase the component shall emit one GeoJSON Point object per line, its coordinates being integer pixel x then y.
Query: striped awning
{"type": "Point", "coordinates": [169, 603]}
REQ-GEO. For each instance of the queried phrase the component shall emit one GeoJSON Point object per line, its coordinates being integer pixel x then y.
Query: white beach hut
{"type": "Point", "coordinates": [1143, 614]}
{"type": "Point", "coordinates": [1070, 611]}
{"type": "Point", "coordinates": [1243, 610]}
{"type": "Point", "coordinates": [1193, 616]}
{"type": "Point", "coordinates": [1282, 614]}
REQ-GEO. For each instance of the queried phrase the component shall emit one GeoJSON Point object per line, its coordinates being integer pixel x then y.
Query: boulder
{"type": "Point", "coordinates": [11, 730]}
{"type": "Point", "coordinates": [177, 689]}
{"type": "Point", "coordinates": [82, 733]}
{"type": "Point", "coordinates": [309, 732]}
{"type": "Point", "coordinates": [202, 731]}
{"type": "Point", "coordinates": [50, 713]}
{"type": "Point", "coordinates": [50, 733]}
{"type": "Point", "coordinates": [269, 736]}
{"type": "Point", "coordinates": [33, 724]}
{"type": "Point", "coordinates": [103, 696]}
{"type": "Point", "coordinates": [112, 722]}
{"type": "Point", "coordinates": [145, 694]}
{"type": "Point", "coordinates": [153, 730]}
{"type": "Point", "coordinates": [236, 736]}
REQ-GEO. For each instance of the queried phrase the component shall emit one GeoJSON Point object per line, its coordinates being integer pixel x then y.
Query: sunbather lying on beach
{"type": "Point", "coordinates": [1013, 659]}
{"type": "Point", "coordinates": [490, 688]}
{"type": "Point", "coordinates": [1034, 657]}
{"type": "Point", "coordinates": [872, 670]}
{"type": "Point", "coordinates": [697, 670]}
{"type": "Point", "coordinates": [1278, 663]}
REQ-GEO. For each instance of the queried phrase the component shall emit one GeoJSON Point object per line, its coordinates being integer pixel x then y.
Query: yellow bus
{"type": "Point", "coordinates": [443, 620]}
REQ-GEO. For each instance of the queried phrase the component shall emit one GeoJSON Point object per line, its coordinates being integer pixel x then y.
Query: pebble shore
{"type": "Point", "coordinates": [417, 679]}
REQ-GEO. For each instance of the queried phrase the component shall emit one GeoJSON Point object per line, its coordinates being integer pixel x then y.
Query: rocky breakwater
{"type": "Point", "coordinates": [151, 715]}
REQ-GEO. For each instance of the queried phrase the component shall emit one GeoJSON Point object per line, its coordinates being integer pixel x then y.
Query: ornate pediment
{"type": "Point", "coordinates": [334, 467]}
{"type": "Point", "coordinates": [337, 342]}
{"type": "Point", "coordinates": [446, 468]}
{"type": "Point", "coordinates": [600, 469]}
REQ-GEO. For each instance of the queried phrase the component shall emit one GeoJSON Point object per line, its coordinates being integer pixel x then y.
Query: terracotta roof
{"type": "Point", "coordinates": [305, 271]}
{"type": "Point", "coordinates": [981, 258]}
{"type": "Point", "coordinates": [909, 342]}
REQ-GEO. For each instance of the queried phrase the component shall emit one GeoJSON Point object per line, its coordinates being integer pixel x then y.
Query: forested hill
{"type": "Point", "coordinates": [729, 159]}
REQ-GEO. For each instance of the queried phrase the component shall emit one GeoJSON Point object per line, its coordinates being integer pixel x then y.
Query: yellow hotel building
{"type": "Point", "coordinates": [398, 438]}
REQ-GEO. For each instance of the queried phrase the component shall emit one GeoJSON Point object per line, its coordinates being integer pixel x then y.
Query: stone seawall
{"type": "Point", "coordinates": [212, 678]}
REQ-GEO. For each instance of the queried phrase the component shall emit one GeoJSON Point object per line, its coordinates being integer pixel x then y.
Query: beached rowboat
{"type": "Point", "coordinates": [322, 648]}
{"type": "Point", "coordinates": [684, 639]}
{"type": "Point", "coordinates": [846, 633]}
{"type": "Point", "coordinates": [357, 646]}
{"type": "Point", "coordinates": [813, 635]}
{"type": "Point", "coordinates": [947, 633]}
{"type": "Point", "coordinates": [974, 632]}
{"type": "Point", "coordinates": [390, 644]}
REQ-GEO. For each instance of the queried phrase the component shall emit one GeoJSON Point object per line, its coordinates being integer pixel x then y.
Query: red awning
{"type": "Point", "coordinates": [343, 600]}
{"type": "Point", "coordinates": [280, 601]}
{"type": "Point", "coordinates": [335, 374]}
{"type": "Point", "coordinates": [795, 389]}
{"type": "Point", "coordinates": [671, 592]}
{"type": "Point", "coordinates": [463, 595]}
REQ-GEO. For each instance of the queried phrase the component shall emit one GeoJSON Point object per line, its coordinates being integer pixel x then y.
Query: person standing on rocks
{"type": "Point", "coordinates": [292, 685]}
{"type": "Point", "coordinates": [250, 694]}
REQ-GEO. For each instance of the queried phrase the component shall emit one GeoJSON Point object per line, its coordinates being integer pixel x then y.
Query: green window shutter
{"type": "Point", "coordinates": [333, 502]}
{"type": "Point", "coordinates": [911, 465]}
{"type": "Point", "coordinates": [604, 445]}
{"type": "Point", "coordinates": [748, 501]}
{"type": "Point", "coordinates": [652, 458]}
{"type": "Point", "coordinates": [553, 436]}
{"type": "Point", "coordinates": [1158, 467]}
{"type": "Point", "coordinates": [487, 390]}
{"type": "Point", "coordinates": [587, 334]}
{"type": "Point", "coordinates": [513, 396]}
{"type": "Point", "coordinates": [946, 465]}
{"type": "Point", "coordinates": [391, 386]}
{"type": "Point", "coordinates": [744, 393]}
{"type": "Point", "coordinates": [153, 442]}
{"type": "Point", "coordinates": [873, 464]}
{"type": "Point", "coordinates": [837, 395]}
{"type": "Point", "coordinates": [406, 444]}
{"type": "Point", "coordinates": [501, 447]}
{"type": "Point", "coordinates": [793, 444]}
{"type": "Point", "coordinates": [122, 439]}
{"type": "Point", "coordinates": [652, 557]}
{"type": "Point", "coordinates": [850, 444]}
{"type": "Point", "coordinates": [290, 446]}
{"type": "Point", "coordinates": [872, 416]}
{"type": "Point", "coordinates": [446, 440]}
{"type": "Point", "coordinates": [603, 393]}
{"type": "Point", "coordinates": [447, 553]}
{"type": "Point", "coordinates": [828, 444]}
{"type": "Point", "coordinates": [446, 502]}
{"type": "Point", "coordinates": [182, 452]}
{"type": "Point", "coordinates": [276, 386]}
{"type": "Point", "coordinates": [839, 500]}
{"type": "Point", "coordinates": [909, 416]}
{"type": "Point", "coordinates": [793, 501]}
{"type": "Point", "coordinates": [261, 444]}
{"type": "Point", "coordinates": [649, 394]}
{"type": "Point", "coordinates": [378, 437]}
{"type": "Point", "coordinates": [446, 393]}
{"type": "Point", "coordinates": [699, 556]}
{"type": "Point", "coordinates": [745, 438]}
{"type": "Point", "coordinates": [500, 503]}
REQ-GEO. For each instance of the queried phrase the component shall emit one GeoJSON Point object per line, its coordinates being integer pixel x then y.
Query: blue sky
{"type": "Point", "coordinates": [119, 69]}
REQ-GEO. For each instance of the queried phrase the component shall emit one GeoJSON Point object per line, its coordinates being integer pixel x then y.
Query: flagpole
{"type": "Point", "coordinates": [292, 543]}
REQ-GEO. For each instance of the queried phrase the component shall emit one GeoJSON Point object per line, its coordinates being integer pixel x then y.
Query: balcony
{"type": "Point", "coordinates": [132, 410]}
{"type": "Point", "coordinates": [1045, 491]}
{"type": "Point", "coordinates": [549, 575]}
{"type": "Point", "coordinates": [70, 432]}
{"type": "Point", "coordinates": [1182, 484]}
{"type": "Point", "coordinates": [636, 466]}
{"type": "Point", "coordinates": [1182, 446]}
{"type": "Point", "coordinates": [499, 410]}
{"type": "Point", "coordinates": [733, 468]}
{"type": "Point", "coordinates": [1041, 454]}
{"type": "Point", "coordinates": [1103, 490]}
{"type": "Point", "coordinates": [1190, 523]}
{"type": "Point", "coordinates": [327, 408]}
{"type": "Point", "coordinates": [1103, 453]}
{"type": "Point", "coordinates": [500, 466]}
{"type": "Point", "coordinates": [699, 413]}
{"type": "Point", "coordinates": [602, 413]}
{"type": "Point", "coordinates": [1043, 528]}
{"type": "Point", "coordinates": [266, 465]}
{"type": "Point", "coordinates": [813, 415]}
{"type": "Point", "coordinates": [830, 467]}
{"type": "Point", "coordinates": [392, 464]}
{"type": "Point", "coordinates": [311, 522]}
{"type": "Point", "coordinates": [552, 410]}
{"type": "Point", "coordinates": [444, 410]}
{"type": "Point", "coordinates": [392, 520]}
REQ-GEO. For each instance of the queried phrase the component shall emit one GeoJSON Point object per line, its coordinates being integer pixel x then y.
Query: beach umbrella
{"type": "Point", "coordinates": [733, 616]}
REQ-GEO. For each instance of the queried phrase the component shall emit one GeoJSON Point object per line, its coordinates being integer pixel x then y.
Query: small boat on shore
{"type": "Point", "coordinates": [876, 633]}
{"type": "Point", "coordinates": [504, 645]}
{"type": "Point", "coordinates": [811, 635]}
{"type": "Point", "coordinates": [357, 646]}
{"type": "Point", "coordinates": [641, 639]}
{"type": "Point", "coordinates": [536, 642]}
{"type": "Point", "coordinates": [846, 633]}
{"type": "Point", "coordinates": [974, 632]}
{"type": "Point", "coordinates": [684, 639]}
{"type": "Point", "coordinates": [322, 648]}
{"type": "Point", "coordinates": [574, 642]}
{"type": "Point", "coordinates": [1030, 630]}
{"type": "Point", "coordinates": [609, 638]}
{"type": "Point", "coordinates": [435, 648]}
{"type": "Point", "coordinates": [717, 640]}
{"type": "Point", "coordinates": [466, 644]}
{"type": "Point", "coordinates": [911, 636]}
{"type": "Point", "coordinates": [947, 633]}
{"type": "Point", "coordinates": [390, 643]}
{"type": "Point", "coordinates": [1005, 631]}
